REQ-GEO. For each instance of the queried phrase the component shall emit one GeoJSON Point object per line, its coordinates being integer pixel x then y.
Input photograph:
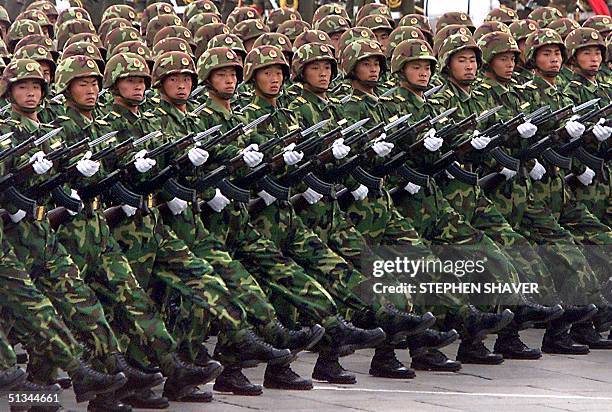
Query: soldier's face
{"type": "Point", "coordinates": [503, 65]}
{"type": "Point", "coordinates": [463, 66]}
{"type": "Point", "coordinates": [132, 88]}
{"type": "Point", "coordinates": [589, 59]}
{"type": "Point", "coordinates": [549, 58]}
{"type": "Point", "coordinates": [368, 69]}
{"type": "Point", "coordinates": [335, 38]}
{"type": "Point", "coordinates": [418, 72]}
{"type": "Point", "coordinates": [269, 79]}
{"type": "Point", "coordinates": [84, 91]}
{"type": "Point", "coordinates": [46, 69]}
{"type": "Point", "coordinates": [177, 86]}
{"type": "Point", "coordinates": [27, 93]}
{"type": "Point", "coordinates": [318, 74]}
{"type": "Point", "coordinates": [382, 36]}
{"type": "Point", "coordinates": [224, 80]}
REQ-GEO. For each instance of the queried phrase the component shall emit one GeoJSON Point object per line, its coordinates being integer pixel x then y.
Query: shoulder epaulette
{"type": "Point", "coordinates": [433, 101]}
{"type": "Point", "coordinates": [102, 122]}
{"type": "Point", "coordinates": [148, 114]}
{"type": "Point", "coordinates": [162, 111]}
{"type": "Point", "coordinates": [385, 98]}
{"type": "Point", "coordinates": [485, 85]}
{"type": "Point", "coordinates": [334, 100]}
{"type": "Point", "coordinates": [114, 114]}
{"type": "Point", "coordinates": [449, 93]}
{"type": "Point", "coordinates": [252, 106]}
{"type": "Point", "coordinates": [576, 83]}
{"type": "Point", "coordinates": [63, 118]}
{"type": "Point", "coordinates": [400, 98]}
{"type": "Point", "coordinates": [300, 99]}
{"type": "Point", "coordinates": [208, 111]}
{"type": "Point", "coordinates": [477, 93]}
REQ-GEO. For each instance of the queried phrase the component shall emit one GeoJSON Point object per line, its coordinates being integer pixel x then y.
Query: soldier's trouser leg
{"type": "Point", "coordinates": [596, 197]}
{"type": "Point", "coordinates": [8, 359]}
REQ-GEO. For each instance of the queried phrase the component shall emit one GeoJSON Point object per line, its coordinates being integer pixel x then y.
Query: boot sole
{"type": "Point", "coordinates": [392, 375]}
{"type": "Point", "coordinates": [346, 350]}
{"type": "Point", "coordinates": [421, 350]}
{"type": "Point", "coordinates": [505, 321]}
{"type": "Point", "coordinates": [347, 381]}
{"type": "Point", "coordinates": [518, 356]}
{"type": "Point", "coordinates": [275, 385]}
{"type": "Point", "coordinates": [425, 324]}
{"type": "Point", "coordinates": [531, 324]}
{"type": "Point", "coordinates": [17, 380]}
{"type": "Point", "coordinates": [87, 396]}
{"type": "Point", "coordinates": [237, 392]}
{"type": "Point", "coordinates": [280, 361]}
{"type": "Point", "coordinates": [480, 362]}
{"type": "Point", "coordinates": [584, 318]}
{"type": "Point", "coordinates": [563, 352]}
{"type": "Point", "coordinates": [315, 339]}
{"type": "Point", "coordinates": [434, 368]}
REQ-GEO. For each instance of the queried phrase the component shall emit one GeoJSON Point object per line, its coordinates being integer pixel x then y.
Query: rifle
{"type": "Point", "coordinates": [28, 144]}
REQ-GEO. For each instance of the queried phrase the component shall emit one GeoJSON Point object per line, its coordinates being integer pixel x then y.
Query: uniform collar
{"type": "Point", "coordinates": [76, 117]}
{"type": "Point", "coordinates": [28, 125]}
{"type": "Point", "coordinates": [410, 97]}
{"type": "Point", "coordinates": [217, 108]}
{"type": "Point", "coordinates": [172, 111]}
{"type": "Point", "coordinates": [125, 113]}
{"type": "Point", "coordinates": [459, 92]}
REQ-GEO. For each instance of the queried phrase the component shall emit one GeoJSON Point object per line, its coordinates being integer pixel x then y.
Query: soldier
{"type": "Point", "coordinates": [520, 30]}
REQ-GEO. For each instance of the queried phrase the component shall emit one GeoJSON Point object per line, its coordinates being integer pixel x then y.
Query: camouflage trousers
{"type": "Point", "coordinates": [131, 312]}
{"type": "Point", "coordinates": [596, 197]}
{"type": "Point", "coordinates": [8, 358]}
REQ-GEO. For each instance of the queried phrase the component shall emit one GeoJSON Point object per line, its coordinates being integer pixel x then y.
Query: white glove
{"type": "Point", "coordinates": [601, 131]}
{"type": "Point", "coordinates": [267, 197]}
{"type": "Point", "coordinates": [197, 156]}
{"type": "Point", "coordinates": [508, 173]}
{"type": "Point", "coordinates": [40, 164]}
{"type": "Point", "coordinates": [537, 172]}
{"type": "Point", "coordinates": [311, 196]}
{"type": "Point", "coordinates": [74, 194]}
{"type": "Point", "coordinates": [574, 128]}
{"type": "Point", "coordinates": [433, 143]}
{"type": "Point", "coordinates": [251, 155]}
{"type": "Point", "coordinates": [128, 210]}
{"type": "Point", "coordinates": [218, 202]}
{"type": "Point", "coordinates": [16, 218]}
{"type": "Point", "coordinates": [87, 167]}
{"type": "Point", "coordinates": [587, 177]}
{"type": "Point", "coordinates": [143, 164]}
{"type": "Point", "coordinates": [290, 156]}
{"type": "Point", "coordinates": [479, 142]}
{"type": "Point", "coordinates": [412, 188]}
{"type": "Point", "coordinates": [177, 206]}
{"type": "Point", "coordinates": [527, 130]}
{"type": "Point", "coordinates": [360, 193]}
{"type": "Point", "coordinates": [382, 148]}
{"type": "Point", "coordinates": [339, 149]}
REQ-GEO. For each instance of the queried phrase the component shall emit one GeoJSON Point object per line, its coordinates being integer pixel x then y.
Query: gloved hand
{"type": "Point", "coordinates": [508, 173]}
{"type": "Point", "coordinates": [251, 155]}
{"type": "Point", "coordinates": [218, 202]}
{"type": "Point", "coordinates": [432, 142]}
{"type": "Point", "coordinates": [382, 148]}
{"type": "Point", "coordinates": [177, 206]}
{"type": "Point", "coordinates": [197, 156]}
{"type": "Point", "coordinates": [128, 210]}
{"type": "Point", "coordinates": [17, 216]}
{"type": "Point", "coordinates": [527, 129]}
{"type": "Point", "coordinates": [601, 131]}
{"type": "Point", "coordinates": [573, 128]}
{"type": "Point", "coordinates": [267, 197]}
{"type": "Point", "coordinates": [311, 196]}
{"type": "Point", "coordinates": [587, 177]}
{"type": "Point", "coordinates": [538, 171]}
{"type": "Point", "coordinates": [87, 167]}
{"type": "Point", "coordinates": [412, 188]}
{"type": "Point", "coordinates": [339, 149]}
{"type": "Point", "coordinates": [360, 193]}
{"type": "Point", "coordinates": [290, 156]}
{"type": "Point", "coordinates": [74, 194]}
{"type": "Point", "coordinates": [142, 163]}
{"type": "Point", "coordinates": [479, 142]}
{"type": "Point", "coordinates": [40, 164]}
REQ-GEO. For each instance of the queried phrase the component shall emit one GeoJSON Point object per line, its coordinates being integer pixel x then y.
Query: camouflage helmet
{"type": "Point", "coordinates": [411, 50]}
{"type": "Point", "coordinates": [495, 43]}
{"type": "Point", "coordinates": [206, 33]}
{"type": "Point", "coordinates": [36, 53]}
{"type": "Point", "coordinates": [18, 70]}
{"type": "Point", "coordinates": [84, 48]}
{"type": "Point", "coordinates": [175, 31]}
{"type": "Point", "coordinates": [564, 26]}
{"type": "Point", "coordinates": [171, 44]}
{"type": "Point", "coordinates": [281, 15]}
{"type": "Point", "coordinates": [119, 35]}
{"type": "Point", "coordinates": [250, 29]}
{"type": "Point", "coordinates": [218, 58]}
{"type": "Point", "coordinates": [332, 24]}
{"type": "Point", "coordinates": [374, 9]}
{"type": "Point", "coordinates": [609, 52]}
{"type": "Point", "coordinates": [454, 17]}
{"type": "Point", "coordinates": [72, 13]}
{"type": "Point", "coordinates": [241, 13]}
{"type": "Point", "coordinates": [172, 63]}
{"type": "Point", "coordinates": [545, 15]}
{"type": "Point", "coordinates": [264, 56]}
{"type": "Point", "coordinates": [542, 37]}
{"type": "Point", "coordinates": [311, 52]}
{"type": "Point", "coordinates": [351, 35]}
{"type": "Point", "coordinates": [136, 47]}
{"type": "Point", "coordinates": [123, 65]}
{"type": "Point", "coordinates": [46, 7]}
{"type": "Point", "coordinates": [123, 11]}
{"type": "Point", "coordinates": [602, 24]}
{"type": "Point", "coordinates": [313, 36]}
{"type": "Point", "coordinates": [39, 17]}
{"type": "Point", "coordinates": [159, 22]}
{"type": "Point", "coordinates": [359, 50]}
{"type": "Point", "coordinates": [153, 10]}
{"type": "Point", "coordinates": [5, 20]}
{"type": "Point", "coordinates": [523, 28]}
{"type": "Point", "coordinates": [202, 19]}
{"type": "Point", "coordinates": [88, 37]}
{"type": "Point", "coordinates": [275, 39]}
{"type": "Point", "coordinates": [5, 56]}
{"type": "Point", "coordinates": [446, 32]}
{"type": "Point", "coordinates": [502, 14]}
{"type": "Point", "coordinates": [111, 24]}
{"type": "Point", "coordinates": [420, 22]}
{"type": "Point", "coordinates": [75, 67]}
{"type": "Point", "coordinates": [454, 44]}
{"type": "Point", "coordinates": [490, 27]}
{"type": "Point", "coordinates": [19, 29]}
{"type": "Point", "coordinates": [374, 23]}
{"type": "Point", "coordinates": [400, 34]}
{"type": "Point", "coordinates": [39, 40]}
{"type": "Point", "coordinates": [228, 40]}
{"type": "Point", "coordinates": [72, 27]}
{"type": "Point", "coordinates": [330, 9]}
{"type": "Point", "coordinates": [293, 28]}
{"type": "Point", "coordinates": [199, 6]}
{"type": "Point", "coordinates": [584, 37]}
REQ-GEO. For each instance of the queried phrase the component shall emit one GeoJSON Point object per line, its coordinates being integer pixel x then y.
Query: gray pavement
{"type": "Point", "coordinates": [553, 383]}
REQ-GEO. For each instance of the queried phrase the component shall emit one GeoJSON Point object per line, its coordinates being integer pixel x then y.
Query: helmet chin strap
{"type": "Point", "coordinates": [266, 95]}
{"type": "Point", "coordinates": [80, 106]}
{"type": "Point", "coordinates": [127, 101]}
{"type": "Point", "coordinates": [587, 73]}
{"type": "Point", "coordinates": [368, 83]}
{"type": "Point", "coordinates": [316, 89]}
{"type": "Point", "coordinates": [220, 95]}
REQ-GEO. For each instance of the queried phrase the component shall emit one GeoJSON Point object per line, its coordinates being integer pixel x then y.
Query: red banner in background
{"type": "Point", "coordinates": [599, 7]}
